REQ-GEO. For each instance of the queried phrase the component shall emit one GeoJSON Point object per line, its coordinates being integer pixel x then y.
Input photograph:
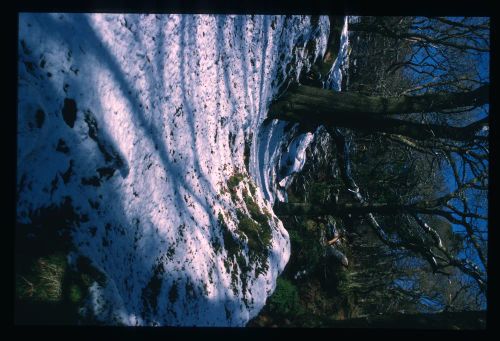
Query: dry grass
{"type": "Point", "coordinates": [44, 281]}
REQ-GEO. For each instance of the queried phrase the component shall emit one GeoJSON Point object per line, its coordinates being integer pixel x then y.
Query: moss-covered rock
{"type": "Point", "coordinates": [253, 232]}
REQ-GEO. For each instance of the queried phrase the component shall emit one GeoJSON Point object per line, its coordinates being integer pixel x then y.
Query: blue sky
{"type": "Point", "coordinates": [479, 64]}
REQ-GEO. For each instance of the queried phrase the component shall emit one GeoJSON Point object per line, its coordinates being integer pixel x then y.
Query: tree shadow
{"type": "Point", "coordinates": [107, 222]}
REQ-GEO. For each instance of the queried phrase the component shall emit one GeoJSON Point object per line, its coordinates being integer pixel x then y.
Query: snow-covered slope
{"type": "Point", "coordinates": [147, 125]}
{"type": "Point", "coordinates": [280, 150]}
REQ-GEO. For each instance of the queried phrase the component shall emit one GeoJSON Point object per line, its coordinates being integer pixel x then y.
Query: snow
{"type": "Point", "coordinates": [341, 63]}
{"type": "Point", "coordinates": [175, 99]}
{"type": "Point", "coordinates": [280, 154]}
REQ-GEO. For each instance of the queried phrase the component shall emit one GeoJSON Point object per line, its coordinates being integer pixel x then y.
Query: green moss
{"type": "Point", "coordinates": [252, 188]}
{"type": "Point", "coordinates": [85, 266]}
{"type": "Point", "coordinates": [233, 249]}
{"type": "Point", "coordinates": [259, 235]}
{"type": "Point", "coordinates": [234, 181]}
{"type": "Point", "coordinates": [254, 228]}
{"type": "Point", "coordinates": [75, 294]}
{"type": "Point", "coordinates": [217, 247]}
{"type": "Point", "coordinates": [253, 209]}
{"type": "Point", "coordinates": [234, 279]}
{"type": "Point", "coordinates": [230, 244]}
{"type": "Point", "coordinates": [257, 231]}
{"type": "Point", "coordinates": [262, 219]}
{"type": "Point", "coordinates": [267, 214]}
{"type": "Point", "coordinates": [285, 299]}
{"type": "Point", "coordinates": [236, 263]}
{"type": "Point", "coordinates": [245, 269]}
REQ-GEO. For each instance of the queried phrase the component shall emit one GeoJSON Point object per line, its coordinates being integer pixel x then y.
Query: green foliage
{"type": "Point", "coordinates": [379, 278]}
{"type": "Point", "coordinates": [246, 151]}
{"type": "Point", "coordinates": [305, 238]}
{"type": "Point", "coordinates": [318, 192]}
{"type": "Point", "coordinates": [292, 196]}
{"type": "Point", "coordinates": [255, 227]}
{"type": "Point", "coordinates": [85, 268]}
{"type": "Point", "coordinates": [252, 188]}
{"type": "Point", "coordinates": [217, 247]}
{"type": "Point", "coordinates": [75, 294]}
{"type": "Point", "coordinates": [259, 235]}
{"type": "Point", "coordinates": [285, 299]}
{"type": "Point", "coordinates": [253, 209]}
{"type": "Point", "coordinates": [250, 228]}
{"type": "Point", "coordinates": [230, 244]}
{"type": "Point", "coordinates": [234, 181]}
{"type": "Point", "coordinates": [235, 256]}
{"type": "Point", "coordinates": [263, 229]}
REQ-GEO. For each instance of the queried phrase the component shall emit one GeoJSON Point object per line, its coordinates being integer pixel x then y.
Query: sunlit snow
{"type": "Point", "coordinates": [169, 102]}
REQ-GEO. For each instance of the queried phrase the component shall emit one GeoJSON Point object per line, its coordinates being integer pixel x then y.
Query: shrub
{"type": "Point", "coordinates": [285, 300]}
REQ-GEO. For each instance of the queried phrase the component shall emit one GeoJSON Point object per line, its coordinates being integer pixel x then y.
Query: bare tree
{"type": "Point", "coordinates": [440, 115]}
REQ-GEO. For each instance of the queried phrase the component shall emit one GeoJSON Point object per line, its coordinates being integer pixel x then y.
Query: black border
{"type": "Point", "coordinates": [351, 7]}
{"type": "Point", "coordinates": [309, 7]}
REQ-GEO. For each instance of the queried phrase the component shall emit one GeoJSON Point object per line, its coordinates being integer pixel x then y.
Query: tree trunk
{"type": "Point", "coordinates": [322, 67]}
{"type": "Point", "coordinates": [283, 209]}
{"type": "Point", "coordinates": [352, 102]}
{"type": "Point", "coordinates": [315, 106]}
{"type": "Point", "coordinates": [424, 206]}
{"type": "Point", "coordinates": [333, 45]}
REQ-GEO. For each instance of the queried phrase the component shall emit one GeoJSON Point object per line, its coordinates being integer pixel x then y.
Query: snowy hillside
{"type": "Point", "coordinates": [151, 128]}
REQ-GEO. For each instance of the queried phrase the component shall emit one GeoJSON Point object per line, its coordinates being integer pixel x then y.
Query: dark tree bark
{"type": "Point", "coordinates": [333, 45]}
{"type": "Point", "coordinates": [319, 71]}
{"type": "Point", "coordinates": [304, 209]}
{"type": "Point", "coordinates": [311, 105]}
{"type": "Point", "coordinates": [435, 206]}
{"type": "Point", "coordinates": [355, 103]}
{"type": "Point", "coordinates": [392, 118]}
